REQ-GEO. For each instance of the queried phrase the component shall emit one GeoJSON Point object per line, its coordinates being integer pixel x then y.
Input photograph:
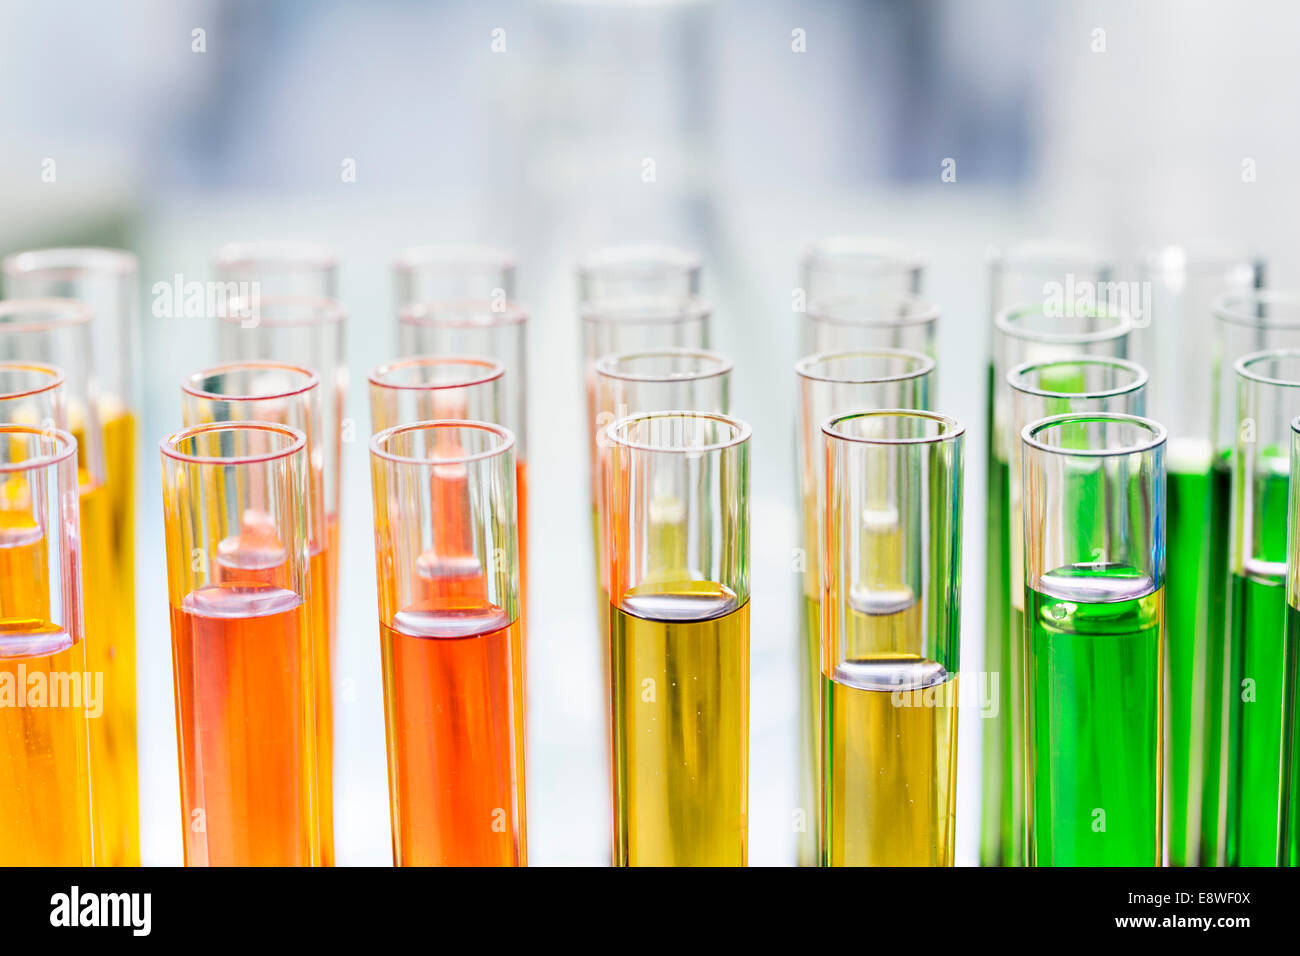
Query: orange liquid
{"type": "Point", "coordinates": [454, 739]}
{"type": "Point", "coordinates": [323, 650]}
{"type": "Point", "coordinates": [246, 717]}
{"type": "Point", "coordinates": [44, 757]}
{"type": "Point", "coordinates": [113, 756]}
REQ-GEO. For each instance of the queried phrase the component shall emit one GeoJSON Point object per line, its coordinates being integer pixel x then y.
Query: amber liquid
{"type": "Point", "coordinates": [44, 759]}
{"type": "Point", "coordinates": [323, 569]}
{"type": "Point", "coordinates": [245, 712]}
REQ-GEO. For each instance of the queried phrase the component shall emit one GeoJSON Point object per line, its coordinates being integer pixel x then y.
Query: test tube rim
{"type": "Point", "coordinates": [1226, 308]}
{"type": "Point", "coordinates": [56, 379]}
{"type": "Point", "coordinates": [846, 253]}
{"type": "Point", "coordinates": [822, 310]}
{"type": "Point", "coordinates": [1002, 322]}
{"type": "Point", "coordinates": [619, 261]}
{"type": "Point", "coordinates": [506, 435]}
{"type": "Point", "coordinates": [1047, 256]}
{"type": "Point", "coordinates": [169, 449]}
{"type": "Point", "coordinates": [951, 429]}
{"type": "Point", "coordinates": [70, 261]}
{"type": "Point", "coordinates": [242, 255]}
{"type": "Point", "coordinates": [741, 429]}
{"type": "Point", "coordinates": [449, 255]}
{"type": "Point", "coordinates": [321, 311]}
{"type": "Point", "coordinates": [925, 366]}
{"type": "Point", "coordinates": [71, 312]}
{"type": "Point", "coordinates": [65, 440]}
{"type": "Point", "coordinates": [1158, 431]}
{"type": "Point", "coordinates": [639, 310]}
{"type": "Point", "coordinates": [1142, 377]}
{"type": "Point", "coordinates": [722, 365]}
{"type": "Point", "coordinates": [496, 371]}
{"type": "Point", "coordinates": [428, 314]}
{"type": "Point", "coordinates": [1242, 367]}
{"type": "Point", "coordinates": [312, 381]}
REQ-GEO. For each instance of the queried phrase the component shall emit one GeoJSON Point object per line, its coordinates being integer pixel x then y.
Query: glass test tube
{"type": "Point", "coordinates": [429, 387]}
{"type": "Point", "coordinates": [309, 332]}
{"type": "Point", "coordinates": [32, 394]}
{"type": "Point", "coordinates": [638, 270]}
{"type": "Point", "coordinates": [830, 384]}
{"type": "Point", "coordinates": [286, 395]}
{"type": "Point", "coordinates": [493, 330]}
{"type": "Point", "coordinates": [1245, 322]}
{"type": "Point", "coordinates": [1094, 520]}
{"type": "Point", "coordinates": [235, 504]}
{"type": "Point", "coordinates": [891, 589]}
{"type": "Point", "coordinates": [45, 811]}
{"type": "Point", "coordinates": [453, 271]}
{"type": "Point", "coordinates": [1268, 398]}
{"type": "Point", "coordinates": [867, 322]}
{"type": "Point", "coordinates": [1182, 283]}
{"type": "Point", "coordinates": [274, 268]}
{"type": "Point", "coordinates": [1030, 333]}
{"type": "Point", "coordinates": [677, 541]}
{"type": "Point", "coordinates": [864, 268]}
{"type": "Point", "coordinates": [449, 621]}
{"type": "Point", "coordinates": [639, 324]}
{"type": "Point", "coordinates": [1289, 848]}
{"type": "Point", "coordinates": [59, 332]}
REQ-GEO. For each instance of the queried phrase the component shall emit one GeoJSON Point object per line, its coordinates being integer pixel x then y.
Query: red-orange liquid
{"type": "Point", "coordinates": [454, 739]}
{"type": "Point", "coordinates": [322, 632]}
{"type": "Point", "coordinates": [44, 750]}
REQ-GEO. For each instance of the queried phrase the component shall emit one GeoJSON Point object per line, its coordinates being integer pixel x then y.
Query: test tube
{"type": "Point", "coordinates": [1094, 532]}
{"type": "Point", "coordinates": [58, 332]}
{"type": "Point", "coordinates": [1035, 333]}
{"type": "Point", "coordinates": [480, 327]}
{"type": "Point", "coordinates": [1245, 322]}
{"type": "Point", "coordinates": [235, 504]}
{"type": "Point", "coordinates": [453, 271]}
{"type": "Point", "coordinates": [1268, 398]}
{"type": "Point", "coordinates": [638, 270]}
{"type": "Point", "coordinates": [274, 268]}
{"type": "Point", "coordinates": [677, 543]}
{"type": "Point", "coordinates": [45, 811]}
{"type": "Point", "coordinates": [287, 395]}
{"type": "Point", "coordinates": [863, 268]}
{"type": "Point", "coordinates": [869, 322]}
{"type": "Point", "coordinates": [309, 332]}
{"type": "Point", "coordinates": [1289, 850]}
{"type": "Point", "coordinates": [1179, 286]}
{"type": "Point", "coordinates": [829, 384]}
{"type": "Point", "coordinates": [449, 621]}
{"type": "Point", "coordinates": [891, 589]}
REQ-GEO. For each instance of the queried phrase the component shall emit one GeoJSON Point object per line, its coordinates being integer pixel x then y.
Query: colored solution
{"type": "Point", "coordinates": [810, 729]}
{"type": "Point", "coordinates": [1195, 663]}
{"type": "Point", "coordinates": [321, 610]}
{"type": "Point", "coordinates": [1214, 750]}
{"type": "Point", "coordinates": [455, 725]}
{"type": "Point", "coordinates": [45, 815]}
{"type": "Point", "coordinates": [1094, 704]}
{"type": "Point", "coordinates": [1289, 854]}
{"type": "Point", "coordinates": [245, 708]}
{"type": "Point", "coordinates": [1257, 638]}
{"type": "Point", "coordinates": [680, 666]}
{"type": "Point", "coordinates": [889, 744]}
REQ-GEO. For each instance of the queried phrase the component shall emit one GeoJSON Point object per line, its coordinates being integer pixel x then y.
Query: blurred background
{"type": "Point", "coordinates": [1172, 123]}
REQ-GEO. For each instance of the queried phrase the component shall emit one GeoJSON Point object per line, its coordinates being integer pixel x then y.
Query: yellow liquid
{"type": "Point", "coordinates": [44, 767]}
{"type": "Point", "coordinates": [891, 774]}
{"type": "Point", "coordinates": [679, 660]}
{"type": "Point", "coordinates": [810, 737]}
{"type": "Point", "coordinates": [108, 583]}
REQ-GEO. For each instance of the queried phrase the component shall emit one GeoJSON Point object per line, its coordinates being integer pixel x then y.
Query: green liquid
{"type": "Point", "coordinates": [1290, 855]}
{"type": "Point", "coordinates": [1002, 807]}
{"type": "Point", "coordinates": [1214, 761]}
{"type": "Point", "coordinates": [1094, 718]}
{"type": "Point", "coordinates": [1255, 719]}
{"type": "Point", "coordinates": [1195, 665]}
